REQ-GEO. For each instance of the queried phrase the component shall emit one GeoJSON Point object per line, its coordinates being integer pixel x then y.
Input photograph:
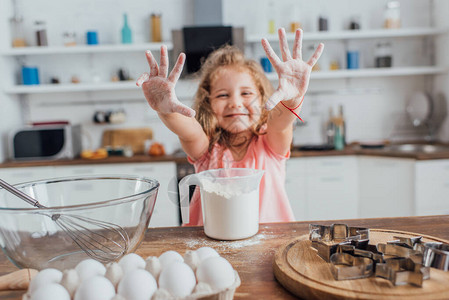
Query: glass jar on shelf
{"type": "Point", "coordinates": [383, 54]}
{"type": "Point", "coordinates": [18, 37]}
{"type": "Point", "coordinates": [392, 14]}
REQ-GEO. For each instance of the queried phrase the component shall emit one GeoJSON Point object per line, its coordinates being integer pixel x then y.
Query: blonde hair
{"type": "Point", "coordinates": [227, 56]}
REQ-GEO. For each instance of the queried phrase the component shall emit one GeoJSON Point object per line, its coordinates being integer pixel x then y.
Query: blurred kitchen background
{"type": "Point", "coordinates": [384, 70]}
{"type": "Point", "coordinates": [374, 100]}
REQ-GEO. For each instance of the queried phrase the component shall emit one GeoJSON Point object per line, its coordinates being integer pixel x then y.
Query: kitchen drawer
{"type": "Point", "coordinates": [432, 187]}
{"type": "Point", "coordinates": [386, 187]}
{"type": "Point", "coordinates": [332, 197]}
{"type": "Point", "coordinates": [331, 165]}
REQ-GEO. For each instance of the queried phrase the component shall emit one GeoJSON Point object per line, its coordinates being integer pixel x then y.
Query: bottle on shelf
{"type": "Point", "coordinates": [342, 124]}
{"type": "Point", "coordinates": [41, 33]}
{"type": "Point", "coordinates": [330, 128]}
{"type": "Point", "coordinates": [126, 31]}
{"type": "Point", "coordinates": [156, 34]}
{"type": "Point", "coordinates": [271, 17]}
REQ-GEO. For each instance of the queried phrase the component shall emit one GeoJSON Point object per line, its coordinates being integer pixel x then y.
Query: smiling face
{"type": "Point", "coordinates": [235, 100]}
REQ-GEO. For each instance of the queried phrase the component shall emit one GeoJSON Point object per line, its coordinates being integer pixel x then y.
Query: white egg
{"type": "Point", "coordinates": [89, 268]}
{"type": "Point", "coordinates": [217, 272]}
{"type": "Point", "coordinates": [96, 288]}
{"type": "Point", "coordinates": [177, 278]}
{"type": "Point", "coordinates": [50, 291]}
{"type": "Point", "coordinates": [137, 285]}
{"type": "Point", "coordinates": [168, 257]}
{"type": "Point", "coordinates": [205, 252]}
{"type": "Point", "coordinates": [44, 277]}
{"type": "Point", "coordinates": [131, 262]}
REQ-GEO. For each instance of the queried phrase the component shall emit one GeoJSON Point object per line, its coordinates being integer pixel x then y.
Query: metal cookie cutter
{"type": "Point", "coordinates": [435, 255]}
{"type": "Point", "coordinates": [354, 267]}
{"type": "Point", "coordinates": [402, 270]}
{"type": "Point", "coordinates": [368, 251]}
{"type": "Point", "coordinates": [325, 239]}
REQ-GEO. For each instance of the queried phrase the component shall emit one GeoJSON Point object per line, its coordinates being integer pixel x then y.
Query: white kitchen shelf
{"type": "Point", "coordinates": [131, 85]}
{"type": "Point", "coordinates": [85, 87]}
{"type": "Point", "coordinates": [353, 34]}
{"type": "Point", "coordinates": [372, 72]}
{"type": "Point", "coordinates": [80, 49]}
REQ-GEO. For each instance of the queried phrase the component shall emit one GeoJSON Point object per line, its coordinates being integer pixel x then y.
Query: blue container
{"type": "Point", "coordinates": [30, 75]}
{"type": "Point", "coordinates": [352, 59]}
{"type": "Point", "coordinates": [266, 64]}
{"type": "Point", "coordinates": [92, 38]}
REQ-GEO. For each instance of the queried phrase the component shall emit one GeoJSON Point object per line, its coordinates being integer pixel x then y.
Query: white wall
{"type": "Point", "coordinates": [374, 107]}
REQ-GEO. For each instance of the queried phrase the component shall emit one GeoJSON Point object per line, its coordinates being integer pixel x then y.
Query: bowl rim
{"type": "Point", "coordinates": [114, 201]}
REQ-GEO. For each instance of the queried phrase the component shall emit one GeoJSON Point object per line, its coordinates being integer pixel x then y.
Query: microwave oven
{"type": "Point", "coordinates": [45, 142]}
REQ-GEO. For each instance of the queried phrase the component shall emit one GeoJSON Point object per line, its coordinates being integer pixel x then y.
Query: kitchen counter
{"type": "Point", "coordinates": [253, 257]}
{"type": "Point", "coordinates": [183, 159]}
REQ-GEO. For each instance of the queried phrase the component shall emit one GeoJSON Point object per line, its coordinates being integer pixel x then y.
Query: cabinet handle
{"type": "Point", "coordinates": [147, 169]}
{"type": "Point", "coordinates": [331, 179]}
{"type": "Point", "coordinates": [83, 171]}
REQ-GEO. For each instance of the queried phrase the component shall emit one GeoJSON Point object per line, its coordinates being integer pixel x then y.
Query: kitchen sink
{"type": "Point", "coordinates": [422, 148]}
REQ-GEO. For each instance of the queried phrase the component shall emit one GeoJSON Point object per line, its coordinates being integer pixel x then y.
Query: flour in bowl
{"type": "Point", "coordinates": [230, 211]}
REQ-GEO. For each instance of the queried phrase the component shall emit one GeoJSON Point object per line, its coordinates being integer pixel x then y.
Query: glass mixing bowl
{"type": "Point", "coordinates": [88, 208]}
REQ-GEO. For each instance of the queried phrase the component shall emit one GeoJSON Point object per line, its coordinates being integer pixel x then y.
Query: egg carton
{"type": "Point", "coordinates": [136, 277]}
{"type": "Point", "coordinates": [225, 294]}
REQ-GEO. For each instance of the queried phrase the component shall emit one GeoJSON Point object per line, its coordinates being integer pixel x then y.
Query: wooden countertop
{"type": "Point", "coordinates": [182, 159]}
{"type": "Point", "coordinates": [253, 257]}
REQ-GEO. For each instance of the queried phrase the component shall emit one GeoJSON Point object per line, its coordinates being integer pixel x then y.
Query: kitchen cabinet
{"type": "Point", "coordinates": [18, 175]}
{"type": "Point", "coordinates": [166, 211]}
{"type": "Point", "coordinates": [323, 188]}
{"type": "Point", "coordinates": [385, 187]}
{"type": "Point", "coordinates": [432, 187]}
{"type": "Point", "coordinates": [295, 185]}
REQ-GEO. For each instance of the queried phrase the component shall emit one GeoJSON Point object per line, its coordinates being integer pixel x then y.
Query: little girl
{"type": "Point", "coordinates": [237, 120]}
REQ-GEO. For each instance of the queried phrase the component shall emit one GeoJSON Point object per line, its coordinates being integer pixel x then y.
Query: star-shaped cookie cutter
{"type": "Point", "coordinates": [402, 270]}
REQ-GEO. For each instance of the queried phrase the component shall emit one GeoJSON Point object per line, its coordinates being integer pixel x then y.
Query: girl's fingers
{"type": "Point", "coordinates": [274, 59]}
{"type": "Point", "coordinates": [154, 69]}
{"type": "Point", "coordinates": [142, 79]}
{"type": "Point", "coordinates": [297, 46]}
{"type": "Point", "coordinates": [312, 61]}
{"type": "Point", "coordinates": [274, 100]}
{"type": "Point", "coordinates": [177, 69]}
{"type": "Point", "coordinates": [283, 45]}
{"type": "Point", "coordinates": [163, 68]}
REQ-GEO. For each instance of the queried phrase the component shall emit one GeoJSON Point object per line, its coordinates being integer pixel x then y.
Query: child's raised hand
{"type": "Point", "coordinates": [293, 72]}
{"type": "Point", "coordinates": [159, 90]}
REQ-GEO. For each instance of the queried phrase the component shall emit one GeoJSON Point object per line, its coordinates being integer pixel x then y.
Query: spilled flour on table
{"type": "Point", "coordinates": [226, 245]}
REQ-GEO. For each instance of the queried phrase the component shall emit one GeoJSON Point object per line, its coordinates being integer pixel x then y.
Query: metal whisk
{"type": "Point", "coordinates": [106, 244]}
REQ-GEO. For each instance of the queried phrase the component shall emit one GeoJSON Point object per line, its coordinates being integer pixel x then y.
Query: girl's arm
{"type": "Point", "coordinates": [286, 101]}
{"type": "Point", "coordinates": [159, 90]}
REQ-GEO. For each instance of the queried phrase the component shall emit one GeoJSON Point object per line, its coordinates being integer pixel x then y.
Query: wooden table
{"type": "Point", "coordinates": [253, 257]}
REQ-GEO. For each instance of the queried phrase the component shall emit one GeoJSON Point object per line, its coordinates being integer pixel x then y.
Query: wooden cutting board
{"type": "Point", "coordinates": [300, 270]}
